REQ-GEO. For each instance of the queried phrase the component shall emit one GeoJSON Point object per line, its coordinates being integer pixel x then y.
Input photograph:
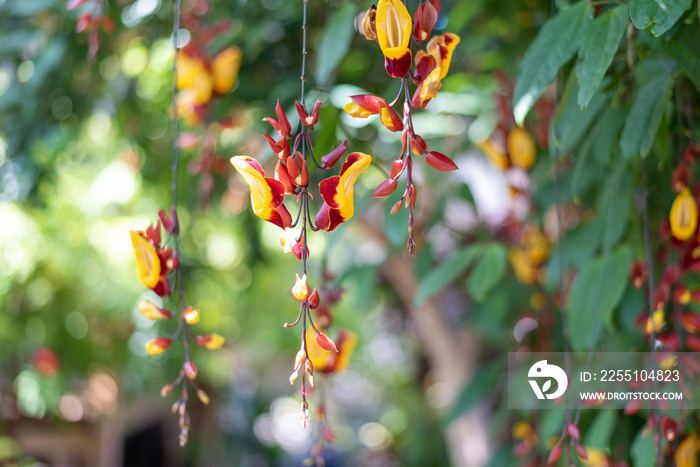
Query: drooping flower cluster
{"type": "Point", "coordinates": [392, 27]}
{"type": "Point", "coordinates": [293, 149]}
{"type": "Point", "coordinates": [156, 265]}
{"type": "Point", "coordinates": [206, 73]}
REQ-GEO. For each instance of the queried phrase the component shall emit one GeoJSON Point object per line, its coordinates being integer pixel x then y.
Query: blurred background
{"type": "Point", "coordinates": [85, 152]}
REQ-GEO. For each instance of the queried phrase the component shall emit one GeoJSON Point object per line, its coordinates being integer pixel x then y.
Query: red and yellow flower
{"type": "Point", "coordinates": [329, 361]}
{"type": "Point", "coordinates": [337, 192]}
{"type": "Point", "coordinates": [266, 194]}
{"type": "Point", "coordinates": [364, 105]}
{"type": "Point", "coordinates": [393, 26]}
{"type": "Point", "coordinates": [153, 263]}
{"type": "Point", "coordinates": [432, 66]}
{"type": "Point", "coordinates": [211, 341]}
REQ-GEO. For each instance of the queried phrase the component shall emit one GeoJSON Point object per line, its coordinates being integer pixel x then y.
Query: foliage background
{"type": "Point", "coordinates": [85, 154]}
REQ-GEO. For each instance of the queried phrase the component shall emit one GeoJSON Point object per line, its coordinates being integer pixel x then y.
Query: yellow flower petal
{"type": "Point", "coordinates": [521, 148]}
{"type": "Point", "coordinates": [441, 47]}
{"type": "Point", "coordinates": [225, 68]}
{"type": "Point", "coordinates": [394, 25]}
{"type": "Point", "coordinates": [346, 185]}
{"type": "Point", "coordinates": [356, 111]}
{"type": "Point", "coordinates": [684, 215]}
{"type": "Point", "coordinates": [260, 191]}
{"type": "Point", "coordinates": [687, 453]}
{"type": "Point", "coordinates": [345, 352]}
{"type": "Point", "coordinates": [147, 261]}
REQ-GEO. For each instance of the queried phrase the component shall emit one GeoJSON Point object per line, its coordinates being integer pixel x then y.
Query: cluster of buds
{"type": "Point", "coordinates": [93, 17]}
{"type": "Point", "coordinates": [392, 27]}
{"type": "Point", "coordinates": [203, 74]}
{"type": "Point", "coordinates": [154, 263]}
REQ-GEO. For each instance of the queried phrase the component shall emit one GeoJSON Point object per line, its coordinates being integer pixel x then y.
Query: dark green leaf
{"type": "Point", "coordinates": [661, 15]}
{"type": "Point", "coordinates": [685, 48]}
{"type": "Point", "coordinates": [488, 271]}
{"type": "Point", "coordinates": [573, 123]}
{"type": "Point", "coordinates": [335, 41]}
{"type": "Point", "coordinates": [597, 283]}
{"type": "Point", "coordinates": [645, 115]}
{"type": "Point", "coordinates": [446, 272]}
{"type": "Point", "coordinates": [555, 44]}
{"type": "Point", "coordinates": [598, 48]}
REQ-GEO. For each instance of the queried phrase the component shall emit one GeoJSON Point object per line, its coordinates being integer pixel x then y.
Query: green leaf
{"type": "Point", "coordinates": [446, 272]}
{"type": "Point", "coordinates": [685, 48]}
{"type": "Point", "coordinates": [661, 15]}
{"type": "Point", "coordinates": [645, 115]}
{"type": "Point", "coordinates": [335, 41]}
{"type": "Point", "coordinates": [598, 47]}
{"type": "Point", "coordinates": [601, 283]}
{"type": "Point", "coordinates": [488, 272]}
{"type": "Point", "coordinates": [555, 44]}
{"type": "Point", "coordinates": [601, 429]}
{"type": "Point", "coordinates": [573, 123]}
{"type": "Point", "coordinates": [480, 386]}
{"type": "Point", "coordinates": [643, 449]}
{"type": "Point", "coordinates": [614, 203]}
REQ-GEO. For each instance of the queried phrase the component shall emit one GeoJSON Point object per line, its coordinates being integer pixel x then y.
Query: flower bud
{"type": "Point", "coordinates": [314, 300]}
{"type": "Point", "coordinates": [300, 291]}
{"type": "Point", "coordinates": [554, 455]}
{"type": "Point", "coordinates": [191, 315]}
{"type": "Point", "coordinates": [581, 451]}
{"type": "Point", "coordinates": [301, 356]}
{"type": "Point", "coordinates": [203, 397]}
{"type": "Point", "coordinates": [167, 389]}
{"type": "Point", "coordinates": [211, 341]}
{"type": "Point", "coordinates": [325, 342]}
{"type": "Point", "coordinates": [369, 28]}
{"type": "Point", "coordinates": [190, 370]}
{"type": "Point", "coordinates": [151, 311]}
{"type": "Point", "coordinates": [293, 377]}
{"type": "Point", "coordinates": [157, 345]}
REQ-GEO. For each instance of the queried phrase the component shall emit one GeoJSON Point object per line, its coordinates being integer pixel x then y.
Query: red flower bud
{"type": "Point", "coordinates": [314, 300]}
{"type": "Point", "coordinates": [638, 274]}
{"type": "Point", "coordinates": [330, 159]}
{"type": "Point", "coordinates": [386, 188]}
{"type": "Point", "coordinates": [573, 431]}
{"type": "Point", "coordinates": [554, 455]}
{"type": "Point", "coordinates": [581, 451]}
{"type": "Point", "coordinates": [190, 370]}
{"type": "Point", "coordinates": [325, 342]}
